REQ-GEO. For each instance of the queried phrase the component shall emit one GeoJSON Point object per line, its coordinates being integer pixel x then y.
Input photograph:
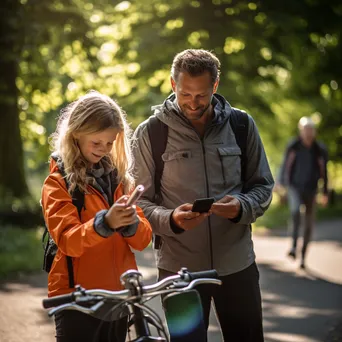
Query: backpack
{"type": "Point", "coordinates": [158, 133]}
{"type": "Point", "coordinates": [49, 246]}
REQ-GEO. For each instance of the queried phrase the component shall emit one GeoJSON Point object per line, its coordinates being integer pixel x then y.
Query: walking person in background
{"type": "Point", "coordinates": [203, 159]}
{"type": "Point", "coordinates": [305, 162]}
{"type": "Point", "coordinates": [92, 144]}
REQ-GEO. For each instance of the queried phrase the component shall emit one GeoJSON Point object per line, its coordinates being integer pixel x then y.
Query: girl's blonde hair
{"type": "Point", "coordinates": [92, 113]}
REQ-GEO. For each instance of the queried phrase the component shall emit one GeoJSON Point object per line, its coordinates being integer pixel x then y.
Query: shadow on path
{"type": "Point", "coordinates": [301, 305]}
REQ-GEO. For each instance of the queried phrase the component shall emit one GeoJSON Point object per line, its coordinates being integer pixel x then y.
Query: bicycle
{"type": "Point", "coordinates": [134, 297]}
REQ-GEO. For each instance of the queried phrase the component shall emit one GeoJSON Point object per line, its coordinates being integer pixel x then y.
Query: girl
{"type": "Point", "coordinates": [92, 142]}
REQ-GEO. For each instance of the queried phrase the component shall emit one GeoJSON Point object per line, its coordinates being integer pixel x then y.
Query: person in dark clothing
{"type": "Point", "coordinates": [305, 162]}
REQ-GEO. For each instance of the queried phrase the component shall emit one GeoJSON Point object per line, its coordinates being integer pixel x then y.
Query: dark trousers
{"type": "Point", "coordinates": [237, 304]}
{"type": "Point", "coordinates": [296, 199]}
{"type": "Point", "coordinates": [73, 326]}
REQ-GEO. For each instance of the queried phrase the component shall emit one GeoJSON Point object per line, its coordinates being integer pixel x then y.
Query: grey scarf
{"type": "Point", "coordinates": [103, 178]}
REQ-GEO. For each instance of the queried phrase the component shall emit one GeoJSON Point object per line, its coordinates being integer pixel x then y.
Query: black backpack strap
{"type": "Point", "coordinates": [70, 272]}
{"type": "Point", "coordinates": [158, 132]}
{"type": "Point", "coordinates": [239, 123]}
{"type": "Point", "coordinates": [78, 200]}
{"type": "Point", "coordinates": [44, 235]}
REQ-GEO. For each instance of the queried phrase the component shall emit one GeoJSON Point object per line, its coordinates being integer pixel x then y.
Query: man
{"type": "Point", "coordinates": [305, 162]}
{"type": "Point", "coordinates": [202, 159]}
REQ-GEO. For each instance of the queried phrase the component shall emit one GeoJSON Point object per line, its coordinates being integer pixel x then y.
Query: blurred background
{"type": "Point", "coordinates": [281, 60]}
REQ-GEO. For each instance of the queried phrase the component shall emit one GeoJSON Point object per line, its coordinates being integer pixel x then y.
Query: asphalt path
{"type": "Point", "coordinates": [298, 305]}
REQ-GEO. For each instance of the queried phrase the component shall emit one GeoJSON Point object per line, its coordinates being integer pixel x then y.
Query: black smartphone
{"type": "Point", "coordinates": [138, 191]}
{"type": "Point", "coordinates": [184, 317]}
{"type": "Point", "coordinates": [203, 205]}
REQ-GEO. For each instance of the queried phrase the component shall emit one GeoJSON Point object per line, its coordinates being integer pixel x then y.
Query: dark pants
{"type": "Point", "coordinates": [73, 326]}
{"type": "Point", "coordinates": [237, 304]}
{"type": "Point", "coordinates": [296, 199]}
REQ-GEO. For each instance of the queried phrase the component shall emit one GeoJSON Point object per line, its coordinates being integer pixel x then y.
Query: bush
{"type": "Point", "coordinates": [20, 250]}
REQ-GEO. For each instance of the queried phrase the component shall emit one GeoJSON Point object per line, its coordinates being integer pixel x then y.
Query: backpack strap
{"type": "Point", "coordinates": [239, 123]}
{"type": "Point", "coordinates": [78, 202]}
{"type": "Point", "coordinates": [157, 132]}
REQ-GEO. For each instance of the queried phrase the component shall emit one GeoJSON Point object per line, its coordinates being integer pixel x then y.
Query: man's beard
{"type": "Point", "coordinates": [199, 115]}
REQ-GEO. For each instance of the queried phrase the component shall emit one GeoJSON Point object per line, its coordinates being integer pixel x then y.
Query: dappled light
{"type": "Point", "coordinates": [280, 61]}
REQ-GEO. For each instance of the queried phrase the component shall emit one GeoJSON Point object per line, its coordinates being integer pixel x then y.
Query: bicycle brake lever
{"type": "Point", "coordinates": [69, 306]}
{"type": "Point", "coordinates": [73, 306]}
{"type": "Point", "coordinates": [196, 282]}
{"type": "Point", "coordinates": [179, 284]}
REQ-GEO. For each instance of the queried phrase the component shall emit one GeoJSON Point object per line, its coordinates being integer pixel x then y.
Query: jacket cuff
{"type": "Point", "coordinates": [238, 217]}
{"type": "Point", "coordinates": [174, 227]}
{"type": "Point", "coordinates": [247, 214]}
{"type": "Point", "coordinates": [100, 225]}
{"type": "Point", "coordinates": [130, 230]}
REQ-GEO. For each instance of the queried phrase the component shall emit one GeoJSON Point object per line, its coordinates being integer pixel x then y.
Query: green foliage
{"type": "Point", "coordinates": [280, 61]}
{"type": "Point", "coordinates": [20, 250]}
{"type": "Point", "coordinates": [276, 60]}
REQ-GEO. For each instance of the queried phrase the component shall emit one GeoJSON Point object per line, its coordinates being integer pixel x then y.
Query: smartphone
{"type": "Point", "coordinates": [135, 195]}
{"type": "Point", "coordinates": [203, 205]}
{"type": "Point", "coordinates": [184, 317]}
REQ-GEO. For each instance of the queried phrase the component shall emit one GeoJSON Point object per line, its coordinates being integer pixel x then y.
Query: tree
{"type": "Point", "coordinates": [12, 177]}
{"type": "Point", "coordinates": [30, 30]}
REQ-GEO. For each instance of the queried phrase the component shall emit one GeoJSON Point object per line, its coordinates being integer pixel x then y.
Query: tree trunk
{"type": "Point", "coordinates": [12, 175]}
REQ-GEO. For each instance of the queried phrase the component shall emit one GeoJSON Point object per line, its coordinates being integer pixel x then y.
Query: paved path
{"type": "Point", "coordinates": [299, 306]}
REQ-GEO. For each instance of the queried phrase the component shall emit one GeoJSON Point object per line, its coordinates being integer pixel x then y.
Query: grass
{"type": "Point", "coordinates": [20, 251]}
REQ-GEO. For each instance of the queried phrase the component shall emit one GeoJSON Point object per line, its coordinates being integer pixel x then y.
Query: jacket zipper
{"type": "Point", "coordinates": [209, 223]}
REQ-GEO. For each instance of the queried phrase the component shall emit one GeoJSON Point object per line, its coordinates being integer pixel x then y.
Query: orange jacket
{"type": "Point", "coordinates": [98, 262]}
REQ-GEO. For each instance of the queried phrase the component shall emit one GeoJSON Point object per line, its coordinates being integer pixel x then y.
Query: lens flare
{"type": "Point", "coordinates": [184, 315]}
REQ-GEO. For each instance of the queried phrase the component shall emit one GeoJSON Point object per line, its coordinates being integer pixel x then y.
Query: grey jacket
{"type": "Point", "coordinates": [193, 168]}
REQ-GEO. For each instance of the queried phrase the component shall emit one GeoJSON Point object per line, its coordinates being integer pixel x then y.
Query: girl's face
{"type": "Point", "coordinates": [95, 146]}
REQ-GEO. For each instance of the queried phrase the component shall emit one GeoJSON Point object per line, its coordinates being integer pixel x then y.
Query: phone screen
{"type": "Point", "coordinates": [202, 205]}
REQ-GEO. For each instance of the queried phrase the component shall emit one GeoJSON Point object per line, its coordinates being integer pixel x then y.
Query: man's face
{"type": "Point", "coordinates": [194, 94]}
{"type": "Point", "coordinates": [308, 134]}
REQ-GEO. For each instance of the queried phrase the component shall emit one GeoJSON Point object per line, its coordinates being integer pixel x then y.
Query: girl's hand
{"type": "Point", "coordinates": [120, 215]}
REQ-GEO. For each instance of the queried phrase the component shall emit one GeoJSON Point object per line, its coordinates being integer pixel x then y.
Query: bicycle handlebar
{"type": "Point", "coordinates": [132, 299]}
{"type": "Point", "coordinates": [211, 274]}
{"type": "Point", "coordinates": [82, 295]}
{"type": "Point", "coordinates": [58, 300]}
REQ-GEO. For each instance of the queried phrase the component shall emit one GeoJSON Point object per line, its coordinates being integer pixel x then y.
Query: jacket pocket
{"type": "Point", "coordinates": [177, 167]}
{"type": "Point", "coordinates": [230, 160]}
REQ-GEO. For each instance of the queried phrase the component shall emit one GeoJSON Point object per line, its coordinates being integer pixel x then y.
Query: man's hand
{"type": "Point", "coordinates": [227, 207]}
{"type": "Point", "coordinates": [184, 218]}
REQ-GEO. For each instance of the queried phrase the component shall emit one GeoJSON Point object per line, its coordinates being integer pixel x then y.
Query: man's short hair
{"type": "Point", "coordinates": [196, 62]}
{"type": "Point", "coordinates": [305, 121]}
